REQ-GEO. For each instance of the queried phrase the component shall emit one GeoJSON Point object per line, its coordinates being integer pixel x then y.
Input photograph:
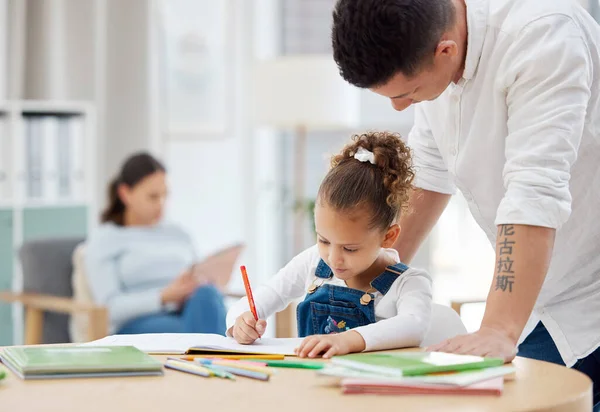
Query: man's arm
{"type": "Point", "coordinates": [426, 207]}
{"type": "Point", "coordinates": [522, 259]}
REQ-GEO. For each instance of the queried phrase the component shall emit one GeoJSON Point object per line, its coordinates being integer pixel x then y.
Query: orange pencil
{"type": "Point", "coordinates": [249, 291]}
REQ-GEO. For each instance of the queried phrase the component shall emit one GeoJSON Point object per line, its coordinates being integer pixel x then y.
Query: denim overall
{"type": "Point", "coordinates": [333, 309]}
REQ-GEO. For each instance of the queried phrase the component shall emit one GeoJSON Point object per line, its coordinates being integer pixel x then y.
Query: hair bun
{"type": "Point", "coordinates": [385, 187]}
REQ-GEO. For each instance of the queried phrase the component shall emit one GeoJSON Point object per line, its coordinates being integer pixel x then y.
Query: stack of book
{"type": "Point", "coordinates": [79, 362]}
{"type": "Point", "coordinates": [418, 373]}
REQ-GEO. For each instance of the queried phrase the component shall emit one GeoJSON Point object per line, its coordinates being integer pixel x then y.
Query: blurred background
{"type": "Point", "coordinates": [240, 100]}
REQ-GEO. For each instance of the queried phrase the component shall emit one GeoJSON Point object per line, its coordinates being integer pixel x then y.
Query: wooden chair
{"type": "Point", "coordinates": [47, 293]}
{"type": "Point", "coordinates": [38, 311]}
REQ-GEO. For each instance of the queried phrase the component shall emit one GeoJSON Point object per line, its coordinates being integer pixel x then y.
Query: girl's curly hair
{"type": "Point", "coordinates": [383, 187]}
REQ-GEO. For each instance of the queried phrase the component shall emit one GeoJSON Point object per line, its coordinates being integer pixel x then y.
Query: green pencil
{"type": "Point", "coordinates": [292, 364]}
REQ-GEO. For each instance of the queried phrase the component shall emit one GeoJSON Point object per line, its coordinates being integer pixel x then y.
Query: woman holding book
{"type": "Point", "coordinates": [141, 268]}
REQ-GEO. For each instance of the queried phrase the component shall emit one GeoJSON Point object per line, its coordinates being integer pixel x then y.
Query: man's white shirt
{"type": "Point", "coordinates": [519, 136]}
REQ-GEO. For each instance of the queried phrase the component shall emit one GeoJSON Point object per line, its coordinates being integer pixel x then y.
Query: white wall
{"type": "Point", "coordinates": [59, 50]}
{"type": "Point", "coordinates": [207, 190]}
{"type": "Point", "coordinates": [231, 189]}
{"type": "Point", "coordinates": [212, 178]}
{"type": "Point", "coordinates": [127, 106]}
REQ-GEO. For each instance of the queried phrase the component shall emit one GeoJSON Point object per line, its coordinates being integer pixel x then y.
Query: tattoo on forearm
{"type": "Point", "coordinates": [507, 230]}
{"type": "Point", "coordinates": [504, 267]}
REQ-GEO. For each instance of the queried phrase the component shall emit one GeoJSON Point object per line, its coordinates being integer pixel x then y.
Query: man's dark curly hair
{"type": "Point", "coordinates": [375, 39]}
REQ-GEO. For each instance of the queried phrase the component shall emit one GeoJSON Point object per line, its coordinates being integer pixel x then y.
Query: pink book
{"type": "Point", "coordinates": [382, 387]}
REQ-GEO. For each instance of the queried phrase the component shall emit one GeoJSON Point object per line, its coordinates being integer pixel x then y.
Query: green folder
{"type": "Point", "coordinates": [46, 362]}
{"type": "Point", "coordinates": [414, 363]}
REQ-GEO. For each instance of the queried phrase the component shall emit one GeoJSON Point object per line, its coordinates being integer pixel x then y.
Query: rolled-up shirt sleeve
{"type": "Point", "coordinates": [431, 171]}
{"type": "Point", "coordinates": [547, 93]}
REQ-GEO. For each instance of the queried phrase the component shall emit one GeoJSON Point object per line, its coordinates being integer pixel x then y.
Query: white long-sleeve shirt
{"type": "Point", "coordinates": [403, 314]}
{"type": "Point", "coordinates": [519, 136]}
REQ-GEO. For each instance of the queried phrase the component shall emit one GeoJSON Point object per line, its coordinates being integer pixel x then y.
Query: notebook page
{"type": "Point", "coordinates": [274, 346]}
{"type": "Point", "coordinates": [176, 343]}
{"type": "Point", "coordinates": [179, 343]}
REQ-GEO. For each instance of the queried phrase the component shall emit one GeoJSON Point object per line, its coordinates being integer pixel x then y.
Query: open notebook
{"type": "Point", "coordinates": [198, 343]}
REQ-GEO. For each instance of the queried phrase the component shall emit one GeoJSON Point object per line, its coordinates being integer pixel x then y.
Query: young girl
{"type": "Point", "coordinates": [359, 296]}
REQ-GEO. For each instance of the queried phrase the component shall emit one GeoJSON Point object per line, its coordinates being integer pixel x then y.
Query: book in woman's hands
{"type": "Point", "coordinates": [45, 362]}
{"type": "Point", "coordinates": [217, 268]}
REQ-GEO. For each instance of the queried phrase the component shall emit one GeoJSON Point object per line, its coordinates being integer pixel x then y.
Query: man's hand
{"type": "Point", "coordinates": [331, 345]}
{"type": "Point", "coordinates": [485, 342]}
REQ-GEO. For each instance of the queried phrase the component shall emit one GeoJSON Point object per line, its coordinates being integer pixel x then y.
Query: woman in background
{"type": "Point", "coordinates": [141, 268]}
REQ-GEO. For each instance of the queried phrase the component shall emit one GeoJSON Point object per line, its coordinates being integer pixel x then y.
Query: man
{"type": "Point", "coordinates": [508, 113]}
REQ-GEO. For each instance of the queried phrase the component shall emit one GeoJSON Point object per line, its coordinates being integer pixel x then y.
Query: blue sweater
{"type": "Point", "coordinates": [127, 267]}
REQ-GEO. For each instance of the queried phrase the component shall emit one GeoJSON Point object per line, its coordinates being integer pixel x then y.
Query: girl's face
{"type": "Point", "coordinates": [346, 242]}
{"type": "Point", "coordinates": [145, 201]}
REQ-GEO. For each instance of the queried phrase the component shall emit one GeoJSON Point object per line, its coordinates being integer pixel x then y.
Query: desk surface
{"type": "Point", "coordinates": [538, 386]}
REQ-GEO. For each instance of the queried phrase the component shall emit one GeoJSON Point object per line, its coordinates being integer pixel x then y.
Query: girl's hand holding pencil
{"type": "Point", "coordinates": [247, 326]}
{"type": "Point", "coordinates": [247, 329]}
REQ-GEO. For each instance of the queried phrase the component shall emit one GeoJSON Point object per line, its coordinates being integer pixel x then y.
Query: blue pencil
{"type": "Point", "coordinates": [221, 373]}
{"type": "Point", "coordinates": [188, 369]}
{"type": "Point", "coordinates": [244, 372]}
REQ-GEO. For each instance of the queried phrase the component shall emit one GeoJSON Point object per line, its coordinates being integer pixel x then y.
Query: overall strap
{"type": "Point", "coordinates": [384, 282]}
{"type": "Point", "coordinates": [323, 271]}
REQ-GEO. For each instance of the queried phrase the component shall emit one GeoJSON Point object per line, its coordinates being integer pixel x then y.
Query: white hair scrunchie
{"type": "Point", "coordinates": [364, 155]}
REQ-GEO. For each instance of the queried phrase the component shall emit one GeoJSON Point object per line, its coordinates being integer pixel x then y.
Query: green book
{"type": "Point", "coordinates": [2, 373]}
{"type": "Point", "coordinates": [46, 362]}
{"type": "Point", "coordinates": [414, 363]}
{"type": "Point", "coordinates": [458, 379]}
